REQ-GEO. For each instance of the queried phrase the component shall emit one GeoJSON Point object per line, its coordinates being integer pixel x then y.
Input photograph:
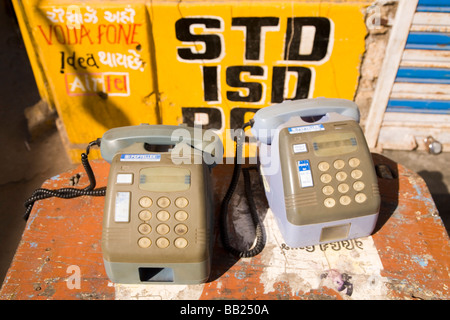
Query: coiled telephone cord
{"type": "Point", "coordinates": [260, 231]}
{"type": "Point", "coordinates": [68, 193]}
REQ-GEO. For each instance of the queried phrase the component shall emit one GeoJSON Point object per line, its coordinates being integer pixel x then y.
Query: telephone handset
{"type": "Point", "coordinates": [158, 215]}
{"type": "Point", "coordinates": [272, 117]}
{"type": "Point", "coordinates": [120, 138]}
{"type": "Point", "coordinates": [317, 171]}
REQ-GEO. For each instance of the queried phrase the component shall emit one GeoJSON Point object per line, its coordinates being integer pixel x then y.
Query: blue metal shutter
{"type": "Point", "coordinates": [422, 84]}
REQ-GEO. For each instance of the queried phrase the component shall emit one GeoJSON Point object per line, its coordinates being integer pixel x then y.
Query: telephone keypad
{"type": "Point", "coordinates": [343, 188]}
{"type": "Point", "coordinates": [180, 243]}
{"type": "Point", "coordinates": [328, 190]}
{"type": "Point", "coordinates": [347, 182]}
{"type": "Point", "coordinates": [329, 202]}
{"type": "Point", "coordinates": [324, 166]}
{"type": "Point", "coordinates": [162, 229]}
{"type": "Point", "coordinates": [181, 215]}
{"type": "Point", "coordinates": [181, 229]}
{"type": "Point", "coordinates": [354, 162]}
{"type": "Point", "coordinates": [181, 202]}
{"type": "Point", "coordinates": [161, 224]}
{"type": "Point", "coordinates": [144, 228]}
{"type": "Point", "coordinates": [360, 197]}
{"type": "Point", "coordinates": [144, 242]}
{"type": "Point", "coordinates": [341, 176]}
{"type": "Point", "coordinates": [162, 243]}
{"type": "Point", "coordinates": [339, 164]}
{"type": "Point", "coordinates": [163, 215]}
{"type": "Point", "coordinates": [356, 174]}
{"type": "Point", "coordinates": [145, 202]}
{"type": "Point", "coordinates": [145, 215]}
{"type": "Point", "coordinates": [325, 178]}
{"type": "Point", "coordinates": [163, 202]}
{"type": "Point", "coordinates": [358, 185]}
{"type": "Point", "coordinates": [345, 200]}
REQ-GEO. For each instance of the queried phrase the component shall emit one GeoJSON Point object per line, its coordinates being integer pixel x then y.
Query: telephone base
{"type": "Point", "coordinates": [152, 273]}
{"type": "Point", "coordinates": [296, 236]}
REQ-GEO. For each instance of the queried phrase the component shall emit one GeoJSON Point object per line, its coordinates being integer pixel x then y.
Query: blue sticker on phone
{"type": "Point", "coordinates": [140, 157]}
{"type": "Point", "coordinates": [304, 174]}
{"type": "Point", "coordinates": [309, 128]}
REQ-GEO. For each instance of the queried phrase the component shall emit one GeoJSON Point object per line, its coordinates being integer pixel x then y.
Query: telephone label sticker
{"type": "Point", "coordinates": [309, 128]}
{"type": "Point", "coordinates": [124, 178]}
{"type": "Point", "coordinates": [140, 157]}
{"type": "Point", "coordinates": [122, 207]}
{"type": "Point", "coordinates": [304, 173]}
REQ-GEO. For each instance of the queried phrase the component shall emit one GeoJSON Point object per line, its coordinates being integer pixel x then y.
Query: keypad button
{"type": "Point", "coordinates": [163, 215]}
{"type": "Point", "coordinates": [144, 242]}
{"type": "Point", "coordinates": [325, 178]}
{"type": "Point", "coordinates": [341, 176]}
{"type": "Point", "coordinates": [181, 202]}
{"type": "Point", "coordinates": [181, 229]}
{"type": "Point", "coordinates": [323, 166]}
{"type": "Point", "coordinates": [162, 229]}
{"type": "Point", "coordinates": [356, 174]}
{"type": "Point", "coordinates": [162, 243]}
{"type": "Point", "coordinates": [145, 215]}
{"type": "Point", "coordinates": [339, 164]}
{"type": "Point", "coordinates": [181, 215]}
{"type": "Point", "coordinates": [354, 162]}
{"type": "Point", "coordinates": [345, 200]}
{"type": "Point", "coordinates": [144, 228]}
{"type": "Point", "coordinates": [124, 178]}
{"type": "Point", "coordinates": [358, 185]}
{"type": "Point", "coordinates": [360, 197]}
{"type": "Point", "coordinates": [145, 202]}
{"type": "Point", "coordinates": [329, 202]}
{"type": "Point", "coordinates": [180, 243]}
{"type": "Point", "coordinates": [163, 202]}
{"type": "Point", "coordinates": [343, 188]}
{"type": "Point", "coordinates": [327, 190]}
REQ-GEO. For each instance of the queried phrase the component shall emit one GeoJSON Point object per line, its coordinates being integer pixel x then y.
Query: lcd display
{"type": "Point", "coordinates": [164, 179]}
{"type": "Point", "coordinates": [334, 144]}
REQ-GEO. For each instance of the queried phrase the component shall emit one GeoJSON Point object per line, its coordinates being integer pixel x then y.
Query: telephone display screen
{"type": "Point", "coordinates": [334, 144]}
{"type": "Point", "coordinates": [164, 179]}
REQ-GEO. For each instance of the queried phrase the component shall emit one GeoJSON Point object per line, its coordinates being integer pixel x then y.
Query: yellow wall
{"type": "Point", "coordinates": [210, 62]}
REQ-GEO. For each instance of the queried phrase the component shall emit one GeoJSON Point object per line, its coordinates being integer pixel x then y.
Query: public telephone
{"type": "Point", "coordinates": [158, 215]}
{"type": "Point", "coordinates": [317, 170]}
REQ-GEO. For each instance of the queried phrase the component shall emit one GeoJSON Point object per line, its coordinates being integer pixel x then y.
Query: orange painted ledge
{"type": "Point", "coordinates": [407, 257]}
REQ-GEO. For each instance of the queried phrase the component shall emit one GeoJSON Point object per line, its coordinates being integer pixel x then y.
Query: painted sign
{"type": "Point", "coordinates": [94, 61]}
{"type": "Point", "coordinates": [224, 61]}
{"type": "Point", "coordinates": [113, 63]}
